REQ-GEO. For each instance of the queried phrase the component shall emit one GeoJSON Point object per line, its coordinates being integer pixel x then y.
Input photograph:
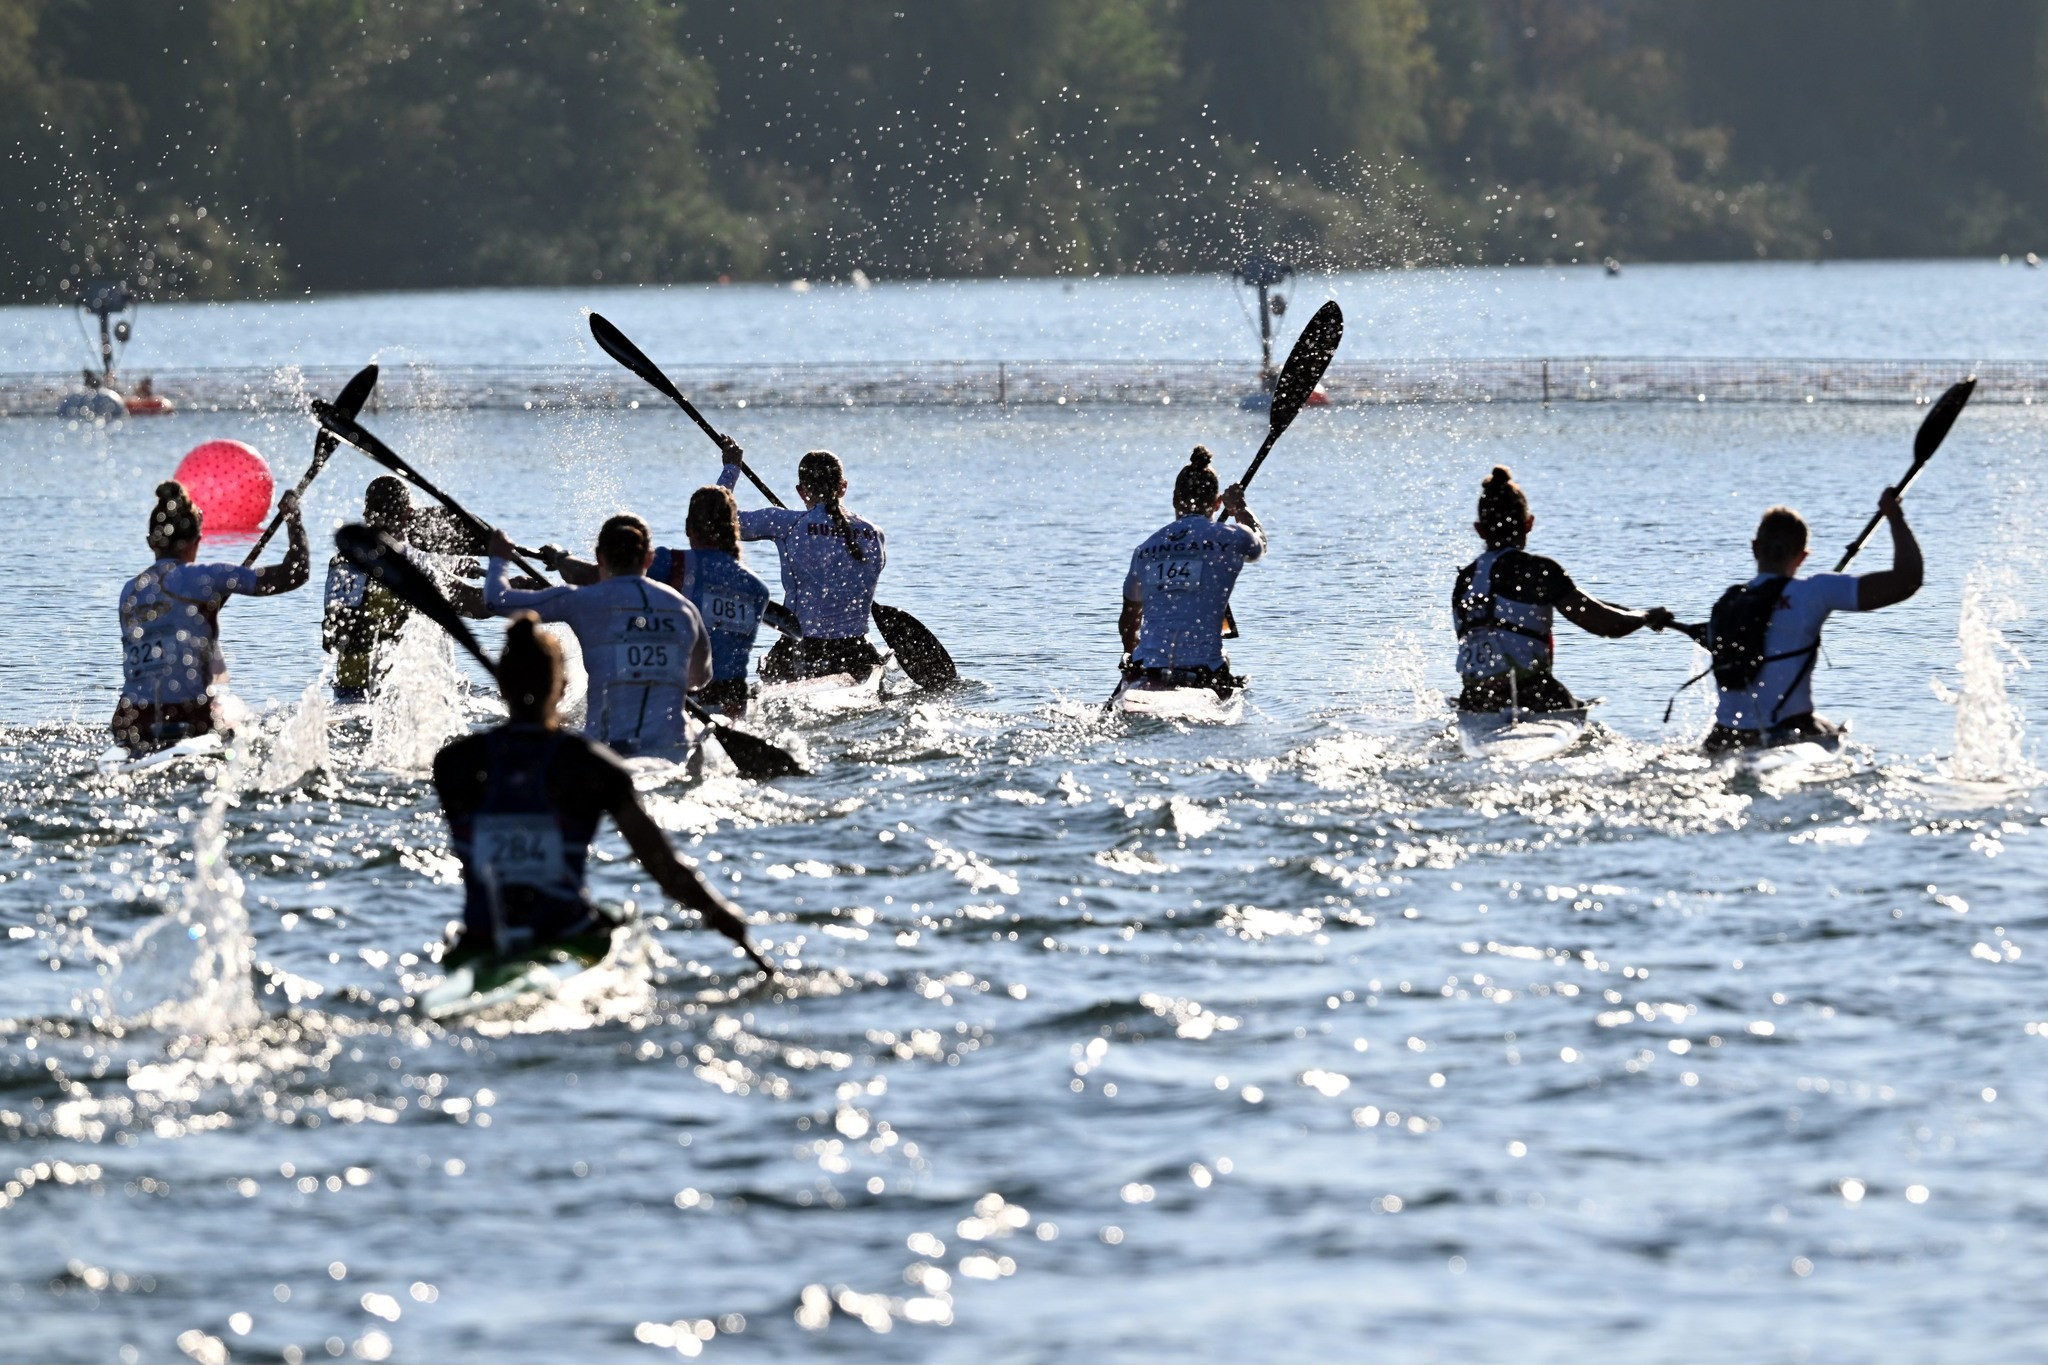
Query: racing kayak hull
{"type": "Point", "coordinates": [1517, 736]}
{"type": "Point", "coordinates": [1185, 705]}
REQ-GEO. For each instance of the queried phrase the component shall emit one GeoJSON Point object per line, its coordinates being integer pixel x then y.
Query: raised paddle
{"type": "Point", "coordinates": [620, 347]}
{"type": "Point", "coordinates": [350, 400]}
{"type": "Point", "coordinates": [376, 555]}
{"type": "Point", "coordinates": [345, 426]}
{"type": "Point", "coordinates": [924, 659]}
{"type": "Point", "coordinates": [1933, 430]}
{"type": "Point", "coordinates": [1298, 379]}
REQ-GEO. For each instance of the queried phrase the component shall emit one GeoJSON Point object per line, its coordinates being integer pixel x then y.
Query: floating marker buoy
{"type": "Point", "coordinates": [230, 483]}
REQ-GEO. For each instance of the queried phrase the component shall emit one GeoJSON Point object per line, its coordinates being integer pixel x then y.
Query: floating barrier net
{"type": "Point", "coordinates": [1047, 383]}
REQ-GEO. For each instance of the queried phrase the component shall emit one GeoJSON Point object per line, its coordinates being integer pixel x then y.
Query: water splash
{"type": "Point", "coordinates": [418, 706]}
{"type": "Point", "coordinates": [301, 743]}
{"type": "Point", "coordinates": [187, 972]}
{"type": "Point", "coordinates": [1990, 727]}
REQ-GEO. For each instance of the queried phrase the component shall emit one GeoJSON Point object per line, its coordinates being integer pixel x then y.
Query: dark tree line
{"type": "Point", "coordinates": [218, 148]}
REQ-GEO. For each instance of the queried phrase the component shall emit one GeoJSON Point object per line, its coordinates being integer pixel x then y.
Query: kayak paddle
{"type": "Point", "coordinates": [1933, 430]}
{"type": "Point", "coordinates": [620, 347]}
{"type": "Point", "coordinates": [923, 658]}
{"type": "Point", "coordinates": [377, 555]}
{"type": "Point", "coordinates": [1298, 379]}
{"type": "Point", "coordinates": [350, 400]}
{"type": "Point", "coordinates": [345, 426]}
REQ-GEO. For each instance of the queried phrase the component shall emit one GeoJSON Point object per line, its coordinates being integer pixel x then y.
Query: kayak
{"type": "Point", "coordinates": [484, 984]}
{"type": "Point", "coordinates": [1516, 736]}
{"type": "Point", "coordinates": [830, 691]}
{"type": "Point", "coordinates": [117, 761]}
{"type": "Point", "coordinates": [1187, 705]}
{"type": "Point", "coordinates": [1786, 765]}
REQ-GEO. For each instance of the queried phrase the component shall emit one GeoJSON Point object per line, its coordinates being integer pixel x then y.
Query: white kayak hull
{"type": "Point", "coordinates": [829, 692]}
{"type": "Point", "coordinates": [1186, 705]}
{"type": "Point", "coordinates": [118, 761]}
{"type": "Point", "coordinates": [1520, 736]}
{"type": "Point", "coordinates": [477, 988]}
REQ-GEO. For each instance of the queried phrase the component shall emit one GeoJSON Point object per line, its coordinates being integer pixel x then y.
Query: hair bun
{"type": "Point", "coordinates": [1200, 458]}
{"type": "Point", "coordinates": [1500, 477]}
{"type": "Point", "coordinates": [170, 490]}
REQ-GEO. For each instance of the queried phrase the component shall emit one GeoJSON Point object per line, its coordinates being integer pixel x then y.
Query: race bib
{"type": "Point", "coordinates": [521, 850]}
{"type": "Point", "coordinates": [653, 648]}
{"type": "Point", "coordinates": [1180, 573]}
{"type": "Point", "coordinates": [148, 660]}
{"type": "Point", "coordinates": [731, 614]}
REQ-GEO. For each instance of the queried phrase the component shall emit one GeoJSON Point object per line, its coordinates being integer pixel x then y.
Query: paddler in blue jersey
{"type": "Point", "coordinates": [172, 668]}
{"type": "Point", "coordinates": [644, 647]}
{"type": "Point", "coordinates": [1765, 634]}
{"type": "Point", "coordinates": [831, 560]}
{"type": "Point", "coordinates": [523, 803]}
{"type": "Point", "coordinates": [1502, 605]}
{"type": "Point", "coordinates": [728, 597]}
{"type": "Point", "coordinates": [1177, 592]}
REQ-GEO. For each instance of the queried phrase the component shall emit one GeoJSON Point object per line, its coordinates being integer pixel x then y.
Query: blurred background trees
{"type": "Point", "coordinates": [217, 148]}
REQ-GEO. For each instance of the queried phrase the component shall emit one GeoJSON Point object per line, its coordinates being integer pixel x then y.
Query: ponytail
{"type": "Point", "coordinates": [1195, 490]}
{"type": "Point", "coordinates": [1503, 509]}
{"type": "Point", "coordinates": [174, 521]}
{"type": "Point", "coordinates": [529, 669]}
{"type": "Point", "coordinates": [819, 473]}
{"type": "Point", "coordinates": [714, 518]}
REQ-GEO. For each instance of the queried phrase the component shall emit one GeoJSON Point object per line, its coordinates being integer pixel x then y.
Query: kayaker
{"type": "Point", "coordinates": [644, 647]}
{"type": "Point", "coordinates": [831, 560]}
{"type": "Point", "coordinates": [360, 615]}
{"type": "Point", "coordinates": [728, 597]}
{"type": "Point", "coordinates": [1765, 634]}
{"type": "Point", "coordinates": [524, 801]}
{"type": "Point", "coordinates": [172, 668]}
{"type": "Point", "coordinates": [1502, 607]}
{"type": "Point", "coordinates": [1177, 592]}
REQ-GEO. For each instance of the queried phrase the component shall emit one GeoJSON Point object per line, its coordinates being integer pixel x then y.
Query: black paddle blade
{"type": "Point", "coordinates": [756, 758]}
{"type": "Point", "coordinates": [1934, 427]}
{"type": "Point", "coordinates": [620, 347]}
{"type": "Point", "coordinates": [1306, 362]}
{"type": "Point", "coordinates": [356, 392]}
{"type": "Point", "coordinates": [373, 552]}
{"type": "Point", "coordinates": [917, 649]}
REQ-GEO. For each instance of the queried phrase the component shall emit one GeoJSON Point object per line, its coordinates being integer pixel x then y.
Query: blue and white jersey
{"type": "Point", "coordinates": [643, 646]}
{"type": "Point", "coordinates": [1783, 688]}
{"type": "Point", "coordinates": [1182, 576]}
{"type": "Point", "coordinates": [170, 645]}
{"type": "Point", "coordinates": [728, 597]}
{"type": "Point", "coordinates": [829, 590]}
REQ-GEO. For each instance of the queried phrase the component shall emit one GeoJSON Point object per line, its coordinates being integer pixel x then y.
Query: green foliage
{"type": "Point", "coordinates": [216, 148]}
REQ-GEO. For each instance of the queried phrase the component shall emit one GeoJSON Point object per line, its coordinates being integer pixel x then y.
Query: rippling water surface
{"type": "Point", "coordinates": [1301, 1039]}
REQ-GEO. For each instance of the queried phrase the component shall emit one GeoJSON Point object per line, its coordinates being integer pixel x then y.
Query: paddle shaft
{"type": "Point", "coordinates": [362, 439]}
{"type": "Point", "coordinates": [323, 446]}
{"type": "Point", "coordinates": [1871, 529]}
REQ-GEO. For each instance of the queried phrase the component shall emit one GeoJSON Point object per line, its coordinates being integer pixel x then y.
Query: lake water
{"type": "Point", "coordinates": [1301, 1039]}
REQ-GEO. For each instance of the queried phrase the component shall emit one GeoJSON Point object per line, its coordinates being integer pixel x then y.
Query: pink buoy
{"type": "Point", "coordinates": [231, 485]}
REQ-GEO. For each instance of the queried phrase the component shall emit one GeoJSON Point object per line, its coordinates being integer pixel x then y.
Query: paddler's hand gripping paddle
{"type": "Point", "coordinates": [350, 400]}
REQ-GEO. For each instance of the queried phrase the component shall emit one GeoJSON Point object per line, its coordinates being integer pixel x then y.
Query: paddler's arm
{"type": "Point", "coordinates": [1234, 508]}
{"type": "Point", "coordinates": [580, 572]}
{"type": "Point", "coordinates": [1888, 587]}
{"type": "Point", "coordinates": [468, 599]}
{"type": "Point", "coordinates": [297, 565]}
{"type": "Point", "coordinates": [1595, 617]}
{"type": "Point", "coordinates": [502, 599]}
{"type": "Point", "coordinates": [682, 884]}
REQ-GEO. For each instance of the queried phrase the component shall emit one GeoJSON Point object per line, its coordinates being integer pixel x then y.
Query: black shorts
{"type": "Point", "coordinates": [1520, 691]}
{"type": "Point", "coordinates": [1222, 680]}
{"type": "Point", "coordinates": [793, 660]}
{"type": "Point", "coordinates": [142, 729]}
{"type": "Point", "coordinates": [1723, 739]}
